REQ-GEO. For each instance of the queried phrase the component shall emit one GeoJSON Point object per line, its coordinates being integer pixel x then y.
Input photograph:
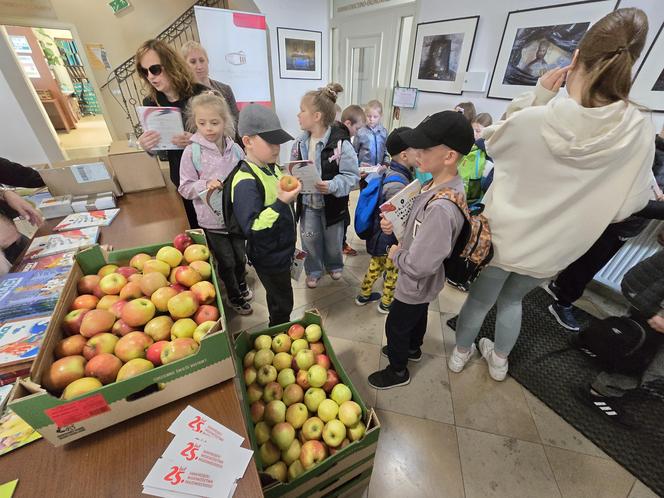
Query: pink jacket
{"type": "Point", "coordinates": [213, 165]}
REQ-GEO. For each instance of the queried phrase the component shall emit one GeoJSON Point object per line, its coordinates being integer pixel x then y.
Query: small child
{"type": "Point", "coordinates": [398, 175]}
{"type": "Point", "coordinates": [266, 217]}
{"type": "Point", "coordinates": [353, 119]}
{"type": "Point", "coordinates": [322, 214]}
{"type": "Point", "coordinates": [433, 226]}
{"type": "Point", "coordinates": [467, 109]}
{"type": "Point", "coordinates": [370, 143]}
{"type": "Point", "coordinates": [475, 167]}
{"type": "Point", "coordinates": [205, 164]}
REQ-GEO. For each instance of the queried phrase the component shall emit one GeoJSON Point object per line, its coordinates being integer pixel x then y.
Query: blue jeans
{"type": "Point", "coordinates": [322, 244]}
{"type": "Point", "coordinates": [504, 289]}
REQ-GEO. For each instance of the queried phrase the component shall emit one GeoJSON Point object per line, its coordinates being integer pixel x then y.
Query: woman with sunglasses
{"type": "Point", "coordinates": [170, 84]}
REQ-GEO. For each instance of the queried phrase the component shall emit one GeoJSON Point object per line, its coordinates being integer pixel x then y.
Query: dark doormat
{"type": "Point", "coordinates": [545, 364]}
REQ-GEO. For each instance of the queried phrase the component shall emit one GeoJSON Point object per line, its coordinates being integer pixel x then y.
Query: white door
{"type": "Point", "coordinates": [370, 54]}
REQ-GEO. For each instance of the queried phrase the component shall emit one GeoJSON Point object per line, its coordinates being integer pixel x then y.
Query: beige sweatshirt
{"type": "Point", "coordinates": [563, 173]}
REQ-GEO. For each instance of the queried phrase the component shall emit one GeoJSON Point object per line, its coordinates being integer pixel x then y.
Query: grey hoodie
{"type": "Point", "coordinates": [428, 240]}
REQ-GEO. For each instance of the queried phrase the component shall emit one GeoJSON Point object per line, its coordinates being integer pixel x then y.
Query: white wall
{"type": "Point", "coordinates": [295, 14]}
{"type": "Point", "coordinates": [493, 15]}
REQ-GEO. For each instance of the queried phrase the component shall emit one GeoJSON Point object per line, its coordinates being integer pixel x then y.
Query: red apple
{"type": "Point", "coordinates": [85, 301]}
{"type": "Point", "coordinates": [120, 328]}
{"type": "Point", "coordinates": [96, 322]}
{"type": "Point", "coordinates": [97, 291]}
{"type": "Point", "coordinates": [206, 313]}
{"type": "Point", "coordinates": [138, 312]}
{"type": "Point", "coordinates": [187, 276]}
{"type": "Point", "coordinates": [151, 282]}
{"type": "Point", "coordinates": [64, 371]}
{"type": "Point", "coordinates": [323, 360]}
{"type": "Point", "coordinates": [154, 352]}
{"type": "Point", "coordinates": [296, 331]}
{"type": "Point", "coordinates": [317, 347]}
{"type": "Point", "coordinates": [332, 380]}
{"type": "Point", "coordinates": [126, 271]}
{"type": "Point", "coordinates": [178, 348]}
{"type": "Point", "coordinates": [179, 288]}
{"type": "Point", "coordinates": [131, 291]}
{"type": "Point", "coordinates": [133, 345]}
{"type": "Point", "coordinates": [70, 346]}
{"type": "Point", "coordinates": [100, 343]}
{"type": "Point", "coordinates": [87, 284]}
{"type": "Point", "coordinates": [182, 241]}
{"type": "Point", "coordinates": [72, 321]}
{"type": "Point", "coordinates": [301, 380]}
{"type": "Point", "coordinates": [117, 307]}
{"type": "Point", "coordinates": [104, 367]}
{"type": "Point", "coordinates": [204, 292]}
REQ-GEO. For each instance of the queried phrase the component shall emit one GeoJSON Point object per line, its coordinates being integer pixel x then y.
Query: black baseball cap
{"type": "Point", "coordinates": [394, 143]}
{"type": "Point", "coordinates": [448, 128]}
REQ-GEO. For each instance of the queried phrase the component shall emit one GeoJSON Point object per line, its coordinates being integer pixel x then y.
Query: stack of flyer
{"type": "Point", "coordinates": [20, 341]}
{"type": "Point", "coordinates": [204, 458]}
{"type": "Point", "coordinates": [31, 293]}
{"type": "Point", "coordinates": [88, 219]}
{"type": "Point", "coordinates": [62, 242]}
{"type": "Point", "coordinates": [55, 207]}
{"type": "Point", "coordinates": [93, 202]}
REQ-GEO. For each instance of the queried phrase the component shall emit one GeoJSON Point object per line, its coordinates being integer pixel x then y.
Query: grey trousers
{"type": "Point", "coordinates": [504, 289]}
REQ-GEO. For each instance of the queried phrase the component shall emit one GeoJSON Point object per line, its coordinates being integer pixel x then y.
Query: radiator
{"type": "Point", "coordinates": [634, 251]}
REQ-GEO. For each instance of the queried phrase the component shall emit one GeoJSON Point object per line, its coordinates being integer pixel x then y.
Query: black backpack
{"type": "Point", "coordinates": [230, 220]}
{"type": "Point", "coordinates": [621, 344]}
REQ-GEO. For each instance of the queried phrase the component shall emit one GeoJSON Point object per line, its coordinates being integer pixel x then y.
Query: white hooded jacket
{"type": "Point", "coordinates": [563, 173]}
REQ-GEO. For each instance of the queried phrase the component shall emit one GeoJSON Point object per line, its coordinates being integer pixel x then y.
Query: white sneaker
{"type": "Point", "coordinates": [458, 360]}
{"type": "Point", "coordinates": [497, 366]}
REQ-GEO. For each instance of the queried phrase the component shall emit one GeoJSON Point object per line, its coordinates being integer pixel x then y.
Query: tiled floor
{"type": "Point", "coordinates": [450, 434]}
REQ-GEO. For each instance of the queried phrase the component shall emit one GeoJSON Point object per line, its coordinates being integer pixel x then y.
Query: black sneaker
{"type": "Point", "coordinates": [412, 355]}
{"type": "Point", "coordinates": [388, 378]}
{"type": "Point", "coordinates": [384, 308]}
{"type": "Point", "coordinates": [241, 307]}
{"type": "Point", "coordinates": [360, 300]}
{"type": "Point", "coordinates": [246, 292]}
{"type": "Point", "coordinates": [564, 315]}
{"type": "Point", "coordinates": [551, 289]}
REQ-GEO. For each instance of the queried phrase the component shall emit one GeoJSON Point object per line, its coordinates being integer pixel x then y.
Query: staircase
{"type": "Point", "coordinates": [124, 84]}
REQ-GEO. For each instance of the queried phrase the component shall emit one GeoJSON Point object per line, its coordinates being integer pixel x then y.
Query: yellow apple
{"type": "Point", "coordinates": [169, 255]}
{"type": "Point", "coordinates": [184, 327]}
{"type": "Point", "coordinates": [196, 252]}
{"type": "Point", "coordinates": [155, 265]}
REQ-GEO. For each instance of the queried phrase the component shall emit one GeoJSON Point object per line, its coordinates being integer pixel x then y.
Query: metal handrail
{"type": "Point", "coordinates": [124, 84]}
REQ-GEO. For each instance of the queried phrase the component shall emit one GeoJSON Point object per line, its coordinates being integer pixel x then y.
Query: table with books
{"type": "Point", "coordinates": [116, 460]}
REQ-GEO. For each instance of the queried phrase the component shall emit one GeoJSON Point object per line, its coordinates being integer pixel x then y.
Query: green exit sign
{"type": "Point", "coordinates": [118, 5]}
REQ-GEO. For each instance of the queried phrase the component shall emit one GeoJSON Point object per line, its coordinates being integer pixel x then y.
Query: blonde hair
{"type": "Point", "coordinates": [484, 119]}
{"type": "Point", "coordinates": [608, 51]}
{"type": "Point", "coordinates": [354, 114]}
{"type": "Point", "coordinates": [324, 101]}
{"type": "Point", "coordinates": [218, 103]}
{"type": "Point", "coordinates": [374, 104]}
{"type": "Point", "coordinates": [172, 64]}
{"type": "Point", "coordinates": [192, 45]}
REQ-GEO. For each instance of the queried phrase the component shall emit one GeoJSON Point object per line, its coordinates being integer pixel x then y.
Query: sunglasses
{"type": "Point", "coordinates": [155, 69]}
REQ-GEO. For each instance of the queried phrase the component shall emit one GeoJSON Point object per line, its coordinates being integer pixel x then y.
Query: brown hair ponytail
{"type": "Point", "coordinates": [324, 101]}
{"type": "Point", "coordinates": [608, 51]}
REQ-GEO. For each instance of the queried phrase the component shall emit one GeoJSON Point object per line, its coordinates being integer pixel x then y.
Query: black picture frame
{"type": "Point", "coordinates": [286, 73]}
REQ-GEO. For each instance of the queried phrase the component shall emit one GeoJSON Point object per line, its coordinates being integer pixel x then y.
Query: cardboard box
{"type": "Point", "coordinates": [348, 471]}
{"type": "Point", "coordinates": [93, 202]}
{"type": "Point", "coordinates": [113, 403]}
{"type": "Point", "coordinates": [134, 168]}
{"type": "Point", "coordinates": [81, 177]}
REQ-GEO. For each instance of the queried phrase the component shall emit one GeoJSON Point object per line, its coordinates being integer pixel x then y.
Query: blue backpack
{"type": "Point", "coordinates": [368, 205]}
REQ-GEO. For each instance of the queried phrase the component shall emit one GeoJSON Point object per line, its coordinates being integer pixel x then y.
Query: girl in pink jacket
{"type": "Point", "coordinates": [205, 164]}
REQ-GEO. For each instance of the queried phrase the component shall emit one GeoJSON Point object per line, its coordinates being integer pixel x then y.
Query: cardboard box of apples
{"type": "Point", "coordinates": [133, 330]}
{"type": "Point", "coordinates": [312, 433]}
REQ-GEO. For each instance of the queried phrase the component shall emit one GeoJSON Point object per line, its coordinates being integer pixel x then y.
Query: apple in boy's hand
{"type": "Point", "coordinates": [288, 183]}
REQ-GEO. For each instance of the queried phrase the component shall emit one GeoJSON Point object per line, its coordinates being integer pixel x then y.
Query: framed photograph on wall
{"type": "Point", "coordinates": [442, 54]}
{"type": "Point", "coordinates": [648, 86]}
{"type": "Point", "coordinates": [539, 39]}
{"type": "Point", "coordinates": [299, 54]}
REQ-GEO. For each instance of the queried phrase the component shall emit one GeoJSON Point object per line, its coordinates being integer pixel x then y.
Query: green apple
{"type": "Point", "coordinates": [272, 391]}
{"type": "Point", "coordinates": [263, 342]}
{"type": "Point", "coordinates": [248, 360]}
{"type": "Point", "coordinates": [317, 376]}
{"type": "Point", "coordinates": [313, 397]}
{"type": "Point", "coordinates": [296, 415]}
{"type": "Point", "coordinates": [298, 345]}
{"type": "Point", "coordinates": [249, 375]}
{"type": "Point", "coordinates": [292, 453]}
{"type": "Point", "coordinates": [286, 377]}
{"type": "Point", "coordinates": [269, 453]}
{"type": "Point", "coordinates": [283, 435]}
{"type": "Point", "coordinates": [254, 393]}
{"type": "Point", "coordinates": [357, 431]}
{"type": "Point", "coordinates": [277, 471]}
{"type": "Point", "coordinates": [292, 394]}
{"type": "Point", "coordinates": [263, 357]}
{"type": "Point", "coordinates": [312, 453]}
{"type": "Point", "coordinates": [262, 433]}
{"type": "Point", "coordinates": [294, 470]}
{"type": "Point", "coordinates": [341, 393]}
{"type": "Point", "coordinates": [312, 428]}
{"type": "Point", "coordinates": [282, 361]}
{"type": "Point", "coordinates": [257, 410]}
{"type": "Point", "coordinates": [349, 413]}
{"type": "Point", "coordinates": [313, 333]}
{"type": "Point", "coordinates": [334, 433]}
{"type": "Point", "coordinates": [275, 412]}
{"type": "Point", "coordinates": [266, 374]}
{"type": "Point", "coordinates": [328, 410]}
{"type": "Point", "coordinates": [281, 343]}
{"type": "Point", "coordinates": [304, 359]}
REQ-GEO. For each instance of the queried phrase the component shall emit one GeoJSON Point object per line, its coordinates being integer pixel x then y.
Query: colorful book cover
{"type": "Point", "coordinates": [15, 432]}
{"type": "Point", "coordinates": [398, 208]}
{"type": "Point", "coordinates": [7, 489]}
{"type": "Point", "coordinates": [62, 242]}
{"type": "Point", "coordinates": [62, 260]}
{"type": "Point", "coordinates": [88, 219]}
{"type": "Point", "coordinates": [30, 294]}
{"type": "Point", "coordinates": [20, 341]}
